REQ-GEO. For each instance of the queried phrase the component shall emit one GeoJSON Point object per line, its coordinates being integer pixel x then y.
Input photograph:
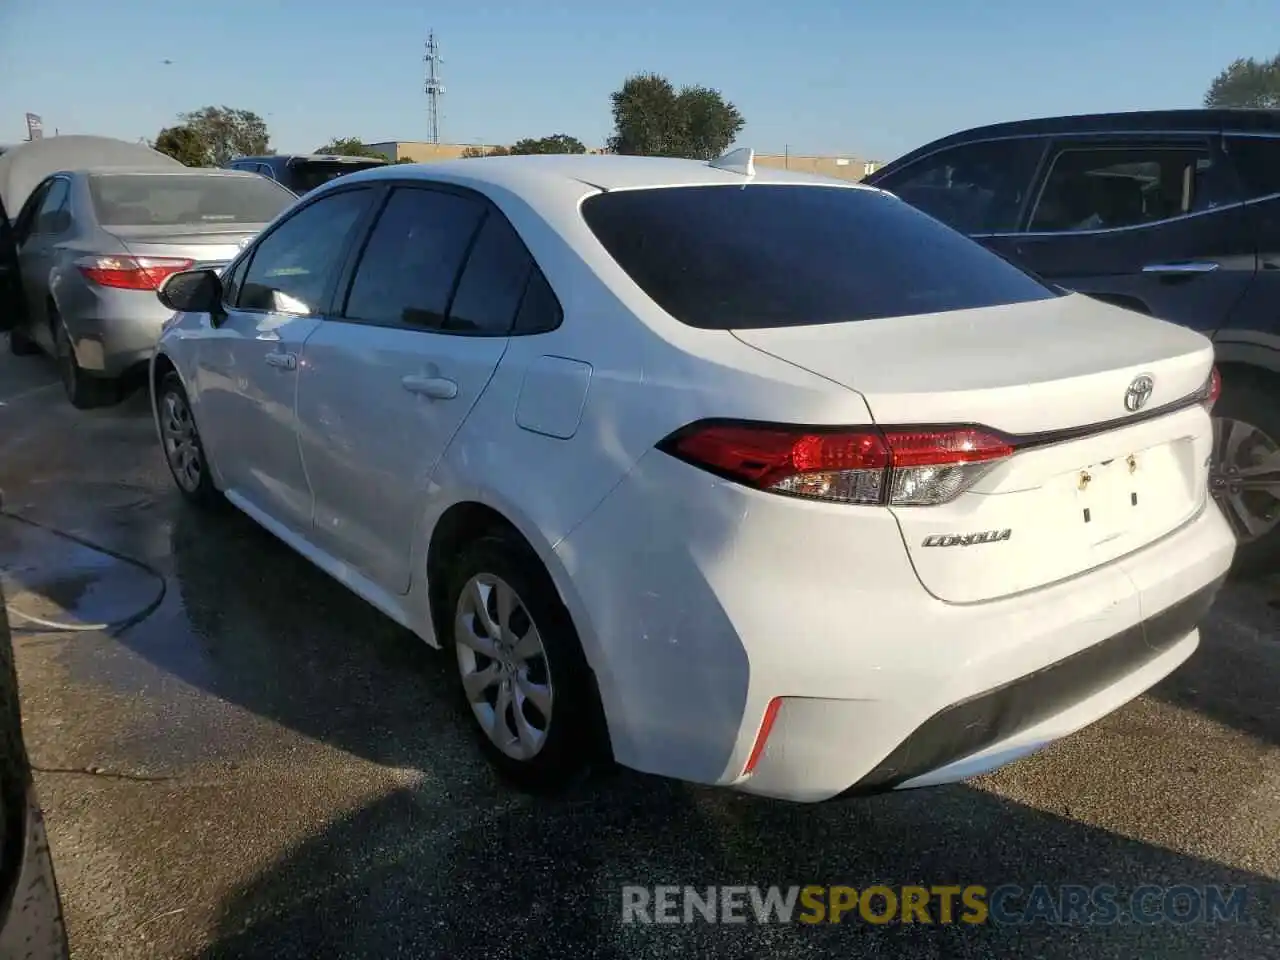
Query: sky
{"type": "Point", "coordinates": [867, 80]}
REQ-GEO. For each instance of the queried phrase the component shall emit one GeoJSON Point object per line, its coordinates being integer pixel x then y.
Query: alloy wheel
{"type": "Point", "coordinates": [503, 664]}
{"type": "Point", "coordinates": [181, 447]}
{"type": "Point", "coordinates": [1244, 477]}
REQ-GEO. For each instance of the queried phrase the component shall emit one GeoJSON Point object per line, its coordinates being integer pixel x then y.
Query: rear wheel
{"type": "Point", "coordinates": [183, 450]}
{"type": "Point", "coordinates": [83, 390]}
{"type": "Point", "coordinates": [521, 670]}
{"type": "Point", "coordinates": [1245, 472]}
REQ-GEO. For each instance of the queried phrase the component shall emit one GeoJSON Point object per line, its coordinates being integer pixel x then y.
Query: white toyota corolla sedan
{"type": "Point", "coordinates": [730, 474]}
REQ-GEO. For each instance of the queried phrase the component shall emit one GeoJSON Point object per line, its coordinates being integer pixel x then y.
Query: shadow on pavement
{"type": "Point", "coordinates": [544, 879]}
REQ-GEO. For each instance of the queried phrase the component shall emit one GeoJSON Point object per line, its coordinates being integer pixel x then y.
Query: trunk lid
{"type": "Point", "coordinates": [1091, 481]}
{"type": "Point", "coordinates": [208, 246]}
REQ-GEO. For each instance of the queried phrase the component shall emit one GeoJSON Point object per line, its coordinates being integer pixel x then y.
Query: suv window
{"type": "Point", "coordinates": [1257, 163]}
{"type": "Point", "coordinates": [409, 267]}
{"type": "Point", "coordinates": [306, 175]}
{"type": "Point", "coordinates": [974, 187]}
{"type": "Point", "coordinates": [782, 255]}
{"type": "Point", "coordinates": [1107, 187]}
{"type": "Point", "coordinates": [292, 266]}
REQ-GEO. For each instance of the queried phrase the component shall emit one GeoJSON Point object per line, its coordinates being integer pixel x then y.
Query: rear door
{"type": "Point", "coordinates": [1152, 224]}
{"type": "Point", "coordinates": [39, 231]}
{"type": "Point", "coordinates": [422, 323]}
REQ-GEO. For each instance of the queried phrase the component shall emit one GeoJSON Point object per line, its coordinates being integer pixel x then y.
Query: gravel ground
{"type": "Point", "coordinates": [266, 767]}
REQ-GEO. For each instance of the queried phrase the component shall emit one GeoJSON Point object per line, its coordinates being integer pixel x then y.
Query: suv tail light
{"type": "Point", "coordinates": [1212, 389]}
{"type": "Point", "coordinates": [131, 273]}
{"type": "Point", "coordinates": [867, 465]}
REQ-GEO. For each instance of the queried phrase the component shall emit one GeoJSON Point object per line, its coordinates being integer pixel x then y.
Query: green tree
{"type": "Point", "coordinates": [350, 147]}
{"type": "Point", "coordinates": [652, 118]}
{"type": "Point", "coordinates": [556, 143]}
{"type": "Point", "coordinates": [184, 145]}
{"type": "Point", "coordinates": [1246, 83]}
{"type": "Point", "coordinates": [229, 132]}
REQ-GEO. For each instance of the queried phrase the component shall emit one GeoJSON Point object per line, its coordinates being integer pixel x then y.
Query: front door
{"type": "Point", "coordinates": [392, 376]}
{"type": "Point", "coordinates": [1153, 226]}
{"type": "Point", "coordinates": [12, 305]}
{"type": "Point", "coordinates": [248, 365]}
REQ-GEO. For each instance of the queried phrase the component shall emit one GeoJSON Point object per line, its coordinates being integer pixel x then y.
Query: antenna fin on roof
{"type": "Point", "coordinates": [740, 161]}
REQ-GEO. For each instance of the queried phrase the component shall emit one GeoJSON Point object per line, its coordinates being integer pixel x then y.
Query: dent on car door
{"type": "Point", "coordinates": [422, 326]}
{"type": "Point", "coordinates": [1153, 225]}
{"type": "Point", "coordinates": [248, 365]}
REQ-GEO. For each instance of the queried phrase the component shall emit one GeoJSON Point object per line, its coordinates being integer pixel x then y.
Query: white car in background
{"type": "Point", "coordinates": [738, 476]}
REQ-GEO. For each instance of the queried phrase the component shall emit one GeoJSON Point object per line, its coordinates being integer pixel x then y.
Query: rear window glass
{"type": "Point", "coordinates": [774, 255]}
{"type": "Point", "coordinates": [308, 174]}
{"type": "Point", "coordinates": [165, 200]}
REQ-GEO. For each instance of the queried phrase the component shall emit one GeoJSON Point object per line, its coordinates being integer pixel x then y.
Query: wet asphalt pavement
{"type": "Point", "coordinates": [266, 767]}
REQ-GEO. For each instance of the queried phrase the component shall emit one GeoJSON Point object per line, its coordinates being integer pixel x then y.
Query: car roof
{"type": "Point", "coordinates": [601, 171]}
{"type": "Point", "coordinates": [164, 171]}
{"type": "Point", "coordinates": [1206, 120]}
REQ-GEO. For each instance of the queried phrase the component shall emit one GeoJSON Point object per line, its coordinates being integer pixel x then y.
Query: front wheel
{"type": "Point", "coordinates": [1244, 473]}
{"type": "Point", "coordinates": [183, 450]}
{"type": "Point", "coordinates": [522, 673]}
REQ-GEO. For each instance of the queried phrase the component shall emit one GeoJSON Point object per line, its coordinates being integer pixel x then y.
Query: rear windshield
{"type": "Point", "coordinates": [306, 175]}
{"type": "Point", "coordinates": [168, 200]}
{"type": "Point", "coordinates": [782, 255]}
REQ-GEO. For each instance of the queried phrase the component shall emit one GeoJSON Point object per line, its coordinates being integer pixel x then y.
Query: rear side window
{"type": "Point", "coordinates": [775, 255]}
{"type": "Point", "coordinates": [411, 262]}
{"type": "Point", "coordinates": [172, 200]}
{"type": "Point", "coordinates": [306, 175]}
{"type": "Point", "coordinates": [1257, 163]}
{"type": "Point", "coordinates": [490, 288]}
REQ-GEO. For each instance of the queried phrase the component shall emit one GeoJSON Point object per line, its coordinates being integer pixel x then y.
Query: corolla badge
{"type": "Point", "coordinates": [1139, 392]}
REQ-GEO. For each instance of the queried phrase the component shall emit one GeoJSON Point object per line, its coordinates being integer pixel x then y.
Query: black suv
{"type": "Point", "coordinates": [302, 173]}
{"type": "Point", "coordinates": [1172, 213]}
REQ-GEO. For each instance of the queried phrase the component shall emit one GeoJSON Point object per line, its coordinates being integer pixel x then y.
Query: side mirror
{"type": "Point", "coordinates": [192, 291]}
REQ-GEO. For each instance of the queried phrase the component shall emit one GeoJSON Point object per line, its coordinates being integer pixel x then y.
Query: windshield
{"type": "Point", "coordinates": [306, 175]}
{"type": "Point", "coordinates": [779, 255]}
{"type": "Point", "coordinates": [137, 200]}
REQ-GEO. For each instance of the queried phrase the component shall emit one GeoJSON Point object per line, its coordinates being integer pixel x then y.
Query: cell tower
{"type": "Point", "coordinates": [434, 87]}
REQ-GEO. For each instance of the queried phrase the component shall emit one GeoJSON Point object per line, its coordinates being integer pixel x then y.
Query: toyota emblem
{"type": "Point", "coordinates": [1139, 392]}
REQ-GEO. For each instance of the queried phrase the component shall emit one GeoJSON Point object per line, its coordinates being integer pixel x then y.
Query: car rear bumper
{"type": "Point", "coordinates": [700, 602]}
{"type": "Point", "coordinates": [116, 331]}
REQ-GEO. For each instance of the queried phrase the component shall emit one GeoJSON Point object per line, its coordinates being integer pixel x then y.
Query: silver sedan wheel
{"type": "Point", "coordinates": [178, 428]}
{"type": "Point", "coordinates": [504, 666]}
{"type": "Point", "coordinates": [1245, 478]}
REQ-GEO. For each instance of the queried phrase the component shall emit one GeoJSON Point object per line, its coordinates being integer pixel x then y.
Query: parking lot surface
{"type": "Point", "coordinates": [265, 766]}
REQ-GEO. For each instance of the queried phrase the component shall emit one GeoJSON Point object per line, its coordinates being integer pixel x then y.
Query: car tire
{"type": "Point", "coordinates": [563, 731]}
{"type": "Point", "coordinates": [1247, 422]}
{"type": "Point", "coordinates": [183, 449]}
{"type": "Point", "coordinates": [21, 345]}
{"type": "Point", "coordinates": [84, 390]}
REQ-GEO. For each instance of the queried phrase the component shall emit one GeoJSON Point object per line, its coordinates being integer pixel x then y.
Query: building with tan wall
{"type": "Point", "coordinates": [845, 168]}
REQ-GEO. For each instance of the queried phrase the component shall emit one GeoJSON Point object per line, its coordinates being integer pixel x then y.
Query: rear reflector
{"type": "Point", "coordinates": [131, 273]}
{"type": "Point", "coordinates": [1213, 389]}
{"type": "Point", "coordinates": [865, 465]}
{"type": "Point", "coordinates": [762, 737]}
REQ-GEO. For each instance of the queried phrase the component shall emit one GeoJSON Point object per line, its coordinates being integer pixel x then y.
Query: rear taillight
{"type": "Point", "coordinates": [131, 273]}
{"type": "Point", "coordinates": [867, 465]}
{"type": "Point", "coordinates": [1212, 389]}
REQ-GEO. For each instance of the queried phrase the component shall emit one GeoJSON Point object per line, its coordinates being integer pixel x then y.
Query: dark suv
{"type": "Point", "coordinates": [1172, 213]}
{"type": "Point", "coordinates": [302, 173]}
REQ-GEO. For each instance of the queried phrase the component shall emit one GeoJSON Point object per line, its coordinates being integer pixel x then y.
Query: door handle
{"type": "Point", "coordinates": [285, 361]}
{"type": "Point", "coordinates": [438, 388]}
{"type": "Point", "coordinates": [1181, 269]}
